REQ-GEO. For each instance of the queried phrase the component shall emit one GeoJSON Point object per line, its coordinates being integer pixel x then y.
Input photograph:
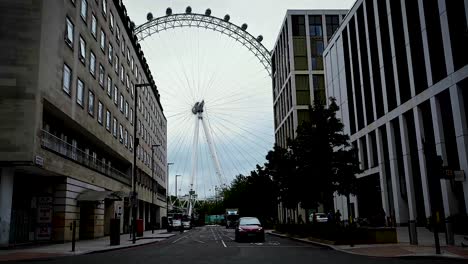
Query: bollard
{"type": "Point", "coordinates": [73, 229]}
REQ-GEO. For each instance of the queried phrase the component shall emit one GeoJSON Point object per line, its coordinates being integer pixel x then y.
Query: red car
{"type": "Point", "coordinates": [249, 228]}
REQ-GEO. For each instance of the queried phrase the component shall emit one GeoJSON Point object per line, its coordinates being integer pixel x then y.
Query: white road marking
{"type": "Point", "coordinates": [177, 240]}
{"type": "Point", "coordinates": [223, 243]}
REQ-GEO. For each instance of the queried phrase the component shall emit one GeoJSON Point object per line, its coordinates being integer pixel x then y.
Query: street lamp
{"type": "Point", "coordinates": [136, 141]}
{"type": "Point", "coordinates": [152, 186]}
{"type": "Point", "coordinates": [178, 175]}
{"type": "Point", "coordinates": [167, 188]}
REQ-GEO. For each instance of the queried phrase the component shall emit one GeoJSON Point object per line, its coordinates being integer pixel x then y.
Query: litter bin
{"type": "Point", "coordinates": [139, 227]}
{"type": "Point", "coordinates": [115, 232]}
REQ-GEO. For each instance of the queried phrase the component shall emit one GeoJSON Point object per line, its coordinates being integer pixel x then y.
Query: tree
{"type": "Point", "coordinates": [325, 162]}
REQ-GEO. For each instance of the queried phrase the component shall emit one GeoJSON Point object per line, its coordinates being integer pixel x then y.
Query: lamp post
{"type": "Point", "coordinates": [178, 175]}
{"type": "Point", "coordinates": [167, 188]}
{"type": "Point", "coordinates": [136, 141]}
{"type": "Point", "coordinates": [152, 186]}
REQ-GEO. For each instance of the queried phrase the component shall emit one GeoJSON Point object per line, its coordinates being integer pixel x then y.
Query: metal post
{"type": "Point", "coordinates": [167, 187]}
{"type": "Point", "coordinates": [152, 186]}
{"type": "Point", "coordinates": [73, 228]}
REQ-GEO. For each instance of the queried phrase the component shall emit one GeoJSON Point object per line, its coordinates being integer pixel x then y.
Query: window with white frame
{"type": "Point", "coordinates": [110, 53]}
{"type": "Point", "coordinates": [84, 10]}
{"type": "Point", "coordinates": [132, 87]}
{"type": "Point", "coordinates": [108, 120]}
{"type": "Point", "coordinates": [116, 95]}
{"type": "Point", "coordinates": [82, 53]}
{"type": "Point", "coordinates": [127, 82]}
{"type": "Point", "coordinates": [116, 63]}
{"type": "Point", "coordinates": [103, 40]}
{"type": "Point", "coordinates": [136, 72]}
{"type": "Point", "coordinates": [69, 32]}
{"type": "Point", "coordinates": [121, 136]}
{"type": "Point", "coordinates": [92, 63]}
{"type": "Point", "coordinates": [114, 128]}
{"type": "Point", "coordinates": [101, 75]}
{"type": "Point", "coordinates": [80, 92]}
{"type": "Point", "coordinates": [131, 143]}
{"type": "Point", "coordinates": [126, 138]}
{"type": "Point", "coordinates": [132, 64]}
{"type": "Point", "coordinates": [121, 103]}
{"type": "Point", "coordinates": [122, 73]}
{"type": "Point", "coordinates": [100, 112]}
{"type": "Point", "coordinates": [131, 116]}
{"type": "Point", "coordinates": [122, 47]}
{"type": "Point", "coordinates": [104, 7]}
{"type": "Point", "coordinates": [109, 86]}
{"type": "Point", "coordinates": [126, 109]}
{"type": "Point", "coordinates": [67, 77]}
{"type": "Point", "coordinates": [94, 25]}
{"type": "Point", "coordinates": [111, 21]}
{"type": "Point", "coordinates": [117, 32]}
{"type": "Point", "coordinates": [91, 102]}
{"type": "Point", "coordinates": [128, 55]}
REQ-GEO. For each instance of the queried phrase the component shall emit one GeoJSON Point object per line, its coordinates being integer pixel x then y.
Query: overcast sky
{"type": "Point", "coordinates": [193, 64]}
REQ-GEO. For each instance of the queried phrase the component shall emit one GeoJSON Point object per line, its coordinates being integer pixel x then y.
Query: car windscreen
{"type": "Point", "coordinates": [249, 221]}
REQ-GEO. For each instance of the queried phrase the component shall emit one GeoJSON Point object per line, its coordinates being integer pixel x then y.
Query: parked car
{"type": "Point", "coordinates": [249, 228]}
{"type": "Point", "coordinates": [320, 217]}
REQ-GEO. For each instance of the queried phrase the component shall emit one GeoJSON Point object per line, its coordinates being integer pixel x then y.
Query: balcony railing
{"type": "Point", "coordinates": [63, 148]}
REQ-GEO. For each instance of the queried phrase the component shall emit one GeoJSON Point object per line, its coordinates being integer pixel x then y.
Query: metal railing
{"type": "Point", "coordinates": [63, 148]}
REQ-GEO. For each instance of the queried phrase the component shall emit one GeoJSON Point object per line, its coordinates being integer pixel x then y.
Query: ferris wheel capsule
{"type": "Point", "coordinates": [244, 26]}
{"type": "Point", "coordinates": [208, 12]}
{"type": "Point", "coordinates": [226, 18]}
{"type": "Point", "coordinates": [169, 11]}
{"type": "Point", "coordinates": [188, 10]}
{"type": "Point", "coordinates": [149, 16]}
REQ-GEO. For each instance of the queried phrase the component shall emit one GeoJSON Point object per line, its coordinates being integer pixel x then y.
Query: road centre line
{"type": "Point", "coordinates": [224, 244]}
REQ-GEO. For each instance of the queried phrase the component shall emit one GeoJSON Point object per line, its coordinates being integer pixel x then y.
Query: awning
{"type": "Point", "coordinates": [92, 195]}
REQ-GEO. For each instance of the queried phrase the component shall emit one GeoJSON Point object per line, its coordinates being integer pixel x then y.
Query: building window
{"type": "Point", "coordinates": [111, 22]}
{"type": "Point", "coordinates": [122, 73]}
{"type": "Point", "coordinates": [118, 35]}
{"type": "Point", "coordinates": [298, 25]}
{"type": "Point", "coordinates": [104, 7]}
{"type": "Point", "coordinates": [128, 55]}
{"type": "Point", "coordinates": [69, 33]}
{"type": "Point", "coordinates": [127, 82]}
{"type": "Point", "coordinates": [316, 51]}
{"type": "Point", "coordinates": [122, 48]}
{"type": "Point", "coordinates": [80, 92]}
{"type": "Point", "coordinates": [116, 64]}
{"type": "Point", "coordinates": [136, 71]}
{"type": "Point", "coordinates": [132, 64]}
{"type": "Point", "coordinates": [82, 55]}
{"type": "Point", "coordinates": [114, 127]}
{"type": "Point", "coordinates": [101, 75]}
{"type": "Point", "coordinates": [121, 103]}
{"type": "Point", "coordinates": [103, 40]}
{"type": "Point", "coordinates": [99, 117]}
{"type": "Point", "coordinates": [91, 103]}
{"type": "Point", "coordinates": [132, 86]}
{"type": "Point", "coordinates": [126, 138]}
{"type": "Point", "coordinates": [333, 23]}
{"type": "Point", "coordinates": [92, 64]}
{"type": "Point", "coordinates": [121, 136]}
{"type": "Point", "coordinates": [131, 143]}
{"type": "Point", "coordinates": [315, 26]}
{"type": "Point", "coordinates": [131, 116]}
{"type": "Point", "coordinates": [84, 10]}
{"type": "Point", "coordinates": [67, 75]}
{"type": "Point", "coordinates": [126, 109]}
{"type": "Point", "coordinates": [109, 86]}
{"type": "Point", "coordinates": [116, 94]}
{"type": "Point", "coordinates": [139, 103]}
{"type": "Point", "coordinates": [110, 53]}
{"type": "Point", "coordinates": [94, 25]}
{"type": "Point", "coordinates": [108, 120]}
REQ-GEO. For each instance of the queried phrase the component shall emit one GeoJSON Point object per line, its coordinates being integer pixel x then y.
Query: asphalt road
{"type": "Point", "coordinates": [214, 244]}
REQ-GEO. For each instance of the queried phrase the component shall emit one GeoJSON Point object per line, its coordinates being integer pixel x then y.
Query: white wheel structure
{"type": "Point", "coordinates": [216, 96]}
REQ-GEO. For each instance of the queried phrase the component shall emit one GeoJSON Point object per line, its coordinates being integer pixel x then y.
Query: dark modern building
{"type": "Point", "coordinates": [68, 70]}
{"type": "Point", "coordinates": [399, 71]}
{"type": "Point", "coordinates": [298, 70]}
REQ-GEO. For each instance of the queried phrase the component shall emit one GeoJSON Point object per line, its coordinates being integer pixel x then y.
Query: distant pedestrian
{"type": "Point", "coordinates": [338, 217]}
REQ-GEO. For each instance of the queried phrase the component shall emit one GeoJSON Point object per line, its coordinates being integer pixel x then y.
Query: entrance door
{"type": "Point", "coordinates": [86, 220]}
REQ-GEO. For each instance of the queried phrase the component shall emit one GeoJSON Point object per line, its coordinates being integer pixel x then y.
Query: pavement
{"type": "Point", "coordinates": [81, 247]}
{"type": "Point", "coordinates": [402, 249]}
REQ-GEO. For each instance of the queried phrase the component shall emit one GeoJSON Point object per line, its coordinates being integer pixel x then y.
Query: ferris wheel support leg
{"type": "Point", "coordinates": [214, 156]}
{"type": "Point", "coordinates": [194, 152]}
